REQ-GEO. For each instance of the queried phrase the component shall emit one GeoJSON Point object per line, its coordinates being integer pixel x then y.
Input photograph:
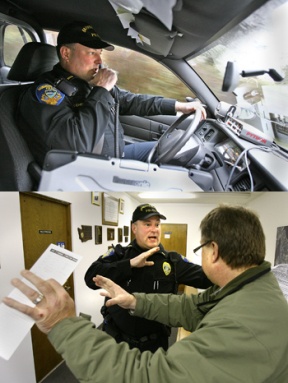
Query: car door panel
{"type": "Point", "coordinates": [149, 128]}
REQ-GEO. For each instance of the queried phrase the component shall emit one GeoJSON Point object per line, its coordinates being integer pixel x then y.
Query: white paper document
{"type": "Point", "coordinates": [281, 273]}
{"type": "Point", "coordinates": [56, 263]}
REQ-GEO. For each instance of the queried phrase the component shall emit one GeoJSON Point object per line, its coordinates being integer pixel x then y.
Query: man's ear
{"type": "Point", "coordinates": [64, 52]}
{"type": "Point", "coordinates": [133, 228]}
{"type": "Point", "coordinates": [215, 253]}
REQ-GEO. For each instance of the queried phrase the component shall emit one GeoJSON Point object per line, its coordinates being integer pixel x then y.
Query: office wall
{"type": "Point", "coordinates": [20, 368]}
{"type": "Point", "coordinates": [272, 208]}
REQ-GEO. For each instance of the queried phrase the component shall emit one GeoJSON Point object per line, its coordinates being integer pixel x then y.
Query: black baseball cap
{"type": "Point", "coordinates": [82, 33]}
{"type": "Point", "coordinates": [145, 211]}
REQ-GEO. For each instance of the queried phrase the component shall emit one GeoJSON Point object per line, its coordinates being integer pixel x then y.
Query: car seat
{"type": "Point", "coordinates": [18, 170]}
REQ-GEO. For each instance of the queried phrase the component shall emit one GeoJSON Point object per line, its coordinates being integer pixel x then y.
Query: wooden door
{"type": "Point", "coordinates": [174, 238]}
{"type": "Point", "coordinates": [44, 221]}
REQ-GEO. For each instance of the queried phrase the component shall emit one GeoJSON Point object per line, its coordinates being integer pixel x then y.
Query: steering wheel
{"type": "Point", "coordinates": [174, 139]}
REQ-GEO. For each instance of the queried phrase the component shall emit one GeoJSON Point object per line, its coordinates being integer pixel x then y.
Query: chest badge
{"type": "Point", "coordinates": [166, 268]}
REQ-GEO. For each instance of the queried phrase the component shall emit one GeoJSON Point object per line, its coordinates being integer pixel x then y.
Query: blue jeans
{"type": "Point", "coordinates": [138, 151]}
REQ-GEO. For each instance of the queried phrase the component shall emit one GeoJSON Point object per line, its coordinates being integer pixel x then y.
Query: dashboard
{"type": "Point", "coordinates": [223, 148]}
{"type": "Point", "coordinates": [240, 165]}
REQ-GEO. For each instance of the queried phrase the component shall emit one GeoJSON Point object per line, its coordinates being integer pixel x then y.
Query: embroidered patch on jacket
{"type": "Point", "coordinates": [108, 253]}
{"type": "Point", "coordinates": [185, 259]}
{"type": "Point", "coordinates": [166, 268]}
{"type": "Point", "coordinates": [48, 94]}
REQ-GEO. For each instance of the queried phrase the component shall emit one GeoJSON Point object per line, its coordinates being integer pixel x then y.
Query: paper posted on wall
{"type": "Point", "coordinates": [56, 263]}
{"type": "Point", "coordinates": [281, 273]}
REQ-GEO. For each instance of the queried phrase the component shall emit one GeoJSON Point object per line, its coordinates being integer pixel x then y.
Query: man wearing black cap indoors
{"type": "Point", "coordinates": [132, 270]}
{"type": "Point", "coordinates": [76, 105]}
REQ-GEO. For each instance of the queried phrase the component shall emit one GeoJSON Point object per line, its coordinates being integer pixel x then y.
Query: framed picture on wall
{"type": "Point", "coordinates": [85, 233]}
{"type": "Point", "coordinates": [98, 235]}
{"type": "Point", "coordinates": [110, 234]}
{"type": "Point", "coordinates": [110, 210]}
{"type": "Point", "coordinates": [121, 206]}
{"type": "Point", "coordinates": [281, 252]}
{"type": "Point", "coordinates": [126, 231]}
{"type": "Point", "coordinates": [96, 198]}
{"type": "Point", "coordinates": [120, 234]}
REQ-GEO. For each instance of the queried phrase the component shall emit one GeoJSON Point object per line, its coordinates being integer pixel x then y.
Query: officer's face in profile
{"type": "Point", "coordinates": [81, 61]}
{"type": "Point", "coordinates": [147, 232]}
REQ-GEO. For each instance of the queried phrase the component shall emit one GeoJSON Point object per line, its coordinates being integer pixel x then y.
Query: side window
{"type": "Point", "coordinates": [14, 38]}
{"type": "Point", "coordinates": [51, 37]}
{"type": "Point", "coordinates": [139, 73]}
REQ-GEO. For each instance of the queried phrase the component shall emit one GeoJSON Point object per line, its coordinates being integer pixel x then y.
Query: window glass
{"type": "Point", "coordinates": [51, 37]}
{"type": "Point", "coordinates": [139, 73]}
{"type": "Point", "coordinates": [257, 45]}
{"type": "Point", "coordinates": [14, 38]}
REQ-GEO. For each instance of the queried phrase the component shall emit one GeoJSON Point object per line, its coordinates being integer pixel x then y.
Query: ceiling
{"type": "Point", "coordinates": [212, 198]}
{"type": "Point", "coordinates": [194, 24]}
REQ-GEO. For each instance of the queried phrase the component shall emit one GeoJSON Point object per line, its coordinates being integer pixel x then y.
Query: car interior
{"type": "Point", "coordinates": [220, 153]}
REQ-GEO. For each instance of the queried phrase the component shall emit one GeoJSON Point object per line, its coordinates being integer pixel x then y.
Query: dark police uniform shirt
{"type": "Point", "coordinates": [169, 270]}
{"type": "Point", "coordinates": [50, 119]}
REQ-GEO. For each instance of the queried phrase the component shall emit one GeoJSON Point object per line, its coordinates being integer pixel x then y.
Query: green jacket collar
{"type": "Point", "coordinates": [216, 294]}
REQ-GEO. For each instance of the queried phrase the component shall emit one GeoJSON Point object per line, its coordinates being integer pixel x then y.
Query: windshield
{"type": "Point", "coordinates": [258, 43]}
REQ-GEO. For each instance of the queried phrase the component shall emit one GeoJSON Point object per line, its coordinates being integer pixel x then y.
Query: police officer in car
{"type": "Point", "coordinates": [160, 272]}
{"type": "Point", "coordinates": [76, 105]}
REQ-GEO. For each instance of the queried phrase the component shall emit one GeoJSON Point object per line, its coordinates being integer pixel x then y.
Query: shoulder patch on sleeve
{"type": "Point", "coordinates": [108, 253]}
{"type": "Point", "coordinates": [48, 94]}
{"type": "Point", "coordinates": [185, 259]}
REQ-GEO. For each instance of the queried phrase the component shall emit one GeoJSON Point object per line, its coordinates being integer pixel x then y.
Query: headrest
{"type": "Point", "coordinates": [33, 59]}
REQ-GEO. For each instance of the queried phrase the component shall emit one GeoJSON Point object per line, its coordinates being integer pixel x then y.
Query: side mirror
{"type": "Point", "coordinates": [232, 75]}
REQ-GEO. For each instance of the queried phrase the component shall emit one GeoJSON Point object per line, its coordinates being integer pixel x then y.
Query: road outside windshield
{"type": "Point", "coordinates": [258, 43]}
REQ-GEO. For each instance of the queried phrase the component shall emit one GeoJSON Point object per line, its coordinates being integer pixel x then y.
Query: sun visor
{"type": "Point", "coordinates": [161, 9]}
{"type": "Point", "coordinates": [154, 37]}
{"type": "Point", "coordinates": [149, 22]}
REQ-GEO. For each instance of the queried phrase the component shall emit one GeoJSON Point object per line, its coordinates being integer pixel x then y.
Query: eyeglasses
{"type": "Point", "coordinates": [199, 247]}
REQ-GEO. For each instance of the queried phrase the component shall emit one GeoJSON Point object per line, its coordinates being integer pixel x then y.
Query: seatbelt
{"type": "Point", "coordinates": [97, 148]}
{"type": "Point", "coordinates": [116, 123]}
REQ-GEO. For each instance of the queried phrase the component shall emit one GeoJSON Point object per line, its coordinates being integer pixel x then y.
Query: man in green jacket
{"type": "Point", "coordinates": [239, 325]}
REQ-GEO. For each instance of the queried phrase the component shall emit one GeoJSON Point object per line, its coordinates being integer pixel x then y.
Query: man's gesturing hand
{"type": "Point", "coordinates": [118, 295]}
{"type": "Point", "coordinates": [141, 260]}
{"type": "Point", "coordinates": [54, 302]}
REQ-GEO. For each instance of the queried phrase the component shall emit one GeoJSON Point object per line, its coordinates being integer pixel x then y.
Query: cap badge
{"type": "Point", "coordinates": [148, 208]}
